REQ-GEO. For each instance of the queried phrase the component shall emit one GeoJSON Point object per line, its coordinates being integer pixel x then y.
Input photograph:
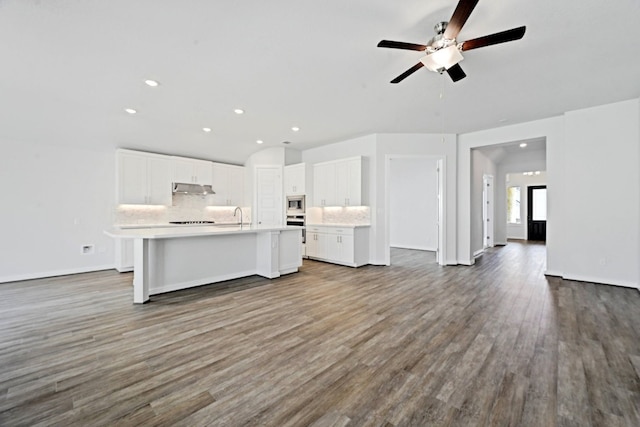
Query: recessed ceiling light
{"type": "Point", "coordinates": [295, 128]}
{"type": "Point", "coordinates": [522, 145]}
{"type": "Point", "coordinates": [151, 83]}
{"type": "Point", "coordinates": [238, 111]}
{"type": "Point", "coordinates": [130, 110]}
{"type": "Point", "coordinates": [259, 141]}
{"type": "Point", "coordinates": [537, 172]}
{"type": "Point", "coordinates": [206, 129]}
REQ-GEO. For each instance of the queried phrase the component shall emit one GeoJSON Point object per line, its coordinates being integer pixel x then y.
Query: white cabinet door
{"type": "Point", "coordinates": [132, 178]}
{"type": "Point", "coordinates": [191, 171]}
{"type": "Point", "coordinates": [228, 183]}
{"type": "Point", "coordinates": [294, 179]}
{"type": "Point", "coordinates": [338, 183]}
{"type": "Point", "coordinates": [159, 181]}
{"type": "Point", "coordinates": [324, 184]}
{"type": "Point", "coordinates": [143, 178]}
{"type": "Point", "coordinates": [220, 184]}
{"type": "Point", "coordinates": [354, 182]}
{"type": "Point", "coordinates": [182, 170]}
{"type": "Point", "coordinates": [345, 249]}
{"type": "Point", "coordinates": [202, 172]}
{"type": "Point", "coordinates": [236, 186]}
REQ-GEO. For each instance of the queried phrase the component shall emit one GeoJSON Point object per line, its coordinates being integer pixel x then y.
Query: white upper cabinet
{"type": "Point", "coordinates": [294, 179]}
{"type": "Point", "coordinates": [228, 184]}
{"type": "Point", "coordinates": [191, 171]}
{"type": "Point", "coordinates": [338, 183]}
{"type": "Point", "coordinates": [143, 178]}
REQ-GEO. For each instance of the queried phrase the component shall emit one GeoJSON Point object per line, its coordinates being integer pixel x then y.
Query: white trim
{"type": "Point", "coordinates": [55, 273]}
{"type": "Point", "coordinates": [477, 253]}
{"type": "Point", "coordinates": [600, 281]}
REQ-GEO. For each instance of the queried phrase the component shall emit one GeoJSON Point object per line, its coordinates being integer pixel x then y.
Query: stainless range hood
{"type": "Point", "coordinates": [183, 188]}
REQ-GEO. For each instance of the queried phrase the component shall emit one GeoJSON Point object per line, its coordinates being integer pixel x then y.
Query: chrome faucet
{"type": "Point", "coordinates": [236, 211]}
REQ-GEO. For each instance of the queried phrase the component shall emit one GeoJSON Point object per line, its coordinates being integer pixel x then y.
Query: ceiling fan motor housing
{"type": "Point", "coordinates": [438, 41]}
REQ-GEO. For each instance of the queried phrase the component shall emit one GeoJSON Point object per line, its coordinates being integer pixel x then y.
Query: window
{"type": "Point", "coordinates": [539, 204]}
{"type": "Point", "coordinates": [513, 205]}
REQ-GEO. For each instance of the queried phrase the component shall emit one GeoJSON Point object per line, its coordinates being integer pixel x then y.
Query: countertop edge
{"type": "Point", "coordinates": [177, 232]}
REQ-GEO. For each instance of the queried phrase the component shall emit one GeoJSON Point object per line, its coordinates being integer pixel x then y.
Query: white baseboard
{"type": "Point", "coordinates": [477, 253]}
{"type": "Point", "coordinates": [600, 280]}
{"type": "Point", "coordinates": [55, 273]}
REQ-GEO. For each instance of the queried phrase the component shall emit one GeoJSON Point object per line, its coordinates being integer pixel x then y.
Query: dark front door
{"type": "Point", "coordinates": [537, 212]}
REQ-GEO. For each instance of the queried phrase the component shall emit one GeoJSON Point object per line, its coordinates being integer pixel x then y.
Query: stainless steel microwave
{"type": "Point", "coordinates": [295, 205]}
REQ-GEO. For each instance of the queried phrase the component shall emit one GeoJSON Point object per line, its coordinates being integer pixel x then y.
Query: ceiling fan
{"type": "Point", "coordinates": [443, 51]}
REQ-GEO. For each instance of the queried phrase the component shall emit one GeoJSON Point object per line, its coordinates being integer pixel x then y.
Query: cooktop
{"type": "Point", "coordinates": [191, 222]}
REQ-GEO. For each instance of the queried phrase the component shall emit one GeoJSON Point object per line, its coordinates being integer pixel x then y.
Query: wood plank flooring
{"type": "Point", "coordinates": [413, 344]}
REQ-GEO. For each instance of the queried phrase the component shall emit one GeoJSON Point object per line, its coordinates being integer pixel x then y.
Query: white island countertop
{"type": "Point", "coordinates": [335, 224]}
{"type": "Point", "coordinates": [167, 259]}
{"type": "Point", "coordinates": [170, 232]}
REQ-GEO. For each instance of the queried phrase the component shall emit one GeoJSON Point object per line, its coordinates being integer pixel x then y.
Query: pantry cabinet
{"type": "Point", "coordinates": [191, 171]}
{"type": "Point", "coordinates": [339, 245]}
{"type": "Point", "coordinates": [338, 183]}
{"type": "Point", "coordinates": [228, 184]}
{"type": "Point", "coordinates": [143, 178]}
{"type": "Point", "coordinates": [295, 179]}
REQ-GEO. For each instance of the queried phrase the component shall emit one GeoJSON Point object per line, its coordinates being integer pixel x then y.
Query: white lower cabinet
{"type": "Point", "coordinates": [124, 255]}
{"type": "Point", "coordinates": [339, 245]}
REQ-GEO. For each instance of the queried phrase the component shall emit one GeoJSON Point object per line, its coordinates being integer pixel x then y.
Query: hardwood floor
{"type": "Point", "coordinates": [413, 344]}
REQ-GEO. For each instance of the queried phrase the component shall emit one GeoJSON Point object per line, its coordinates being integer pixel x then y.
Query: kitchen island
{"type": "Point", "coordinates": [171, 258]}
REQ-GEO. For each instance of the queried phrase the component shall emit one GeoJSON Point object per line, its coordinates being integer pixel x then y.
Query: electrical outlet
{"type": "Point", "coordinates": [87, 249]}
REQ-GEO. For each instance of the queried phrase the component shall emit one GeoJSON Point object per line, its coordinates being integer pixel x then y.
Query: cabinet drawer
{"type": "Point", "coordinates": [343, 231]}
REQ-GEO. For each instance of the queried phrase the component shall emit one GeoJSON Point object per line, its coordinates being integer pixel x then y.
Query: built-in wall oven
{"type": "Point", "coordinates": [295, 205]}
{"type": "Point", "coordinates": [296, 214]}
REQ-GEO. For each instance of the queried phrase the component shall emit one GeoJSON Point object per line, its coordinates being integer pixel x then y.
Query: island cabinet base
{"type": "Point", "coordinates": [165, 265]}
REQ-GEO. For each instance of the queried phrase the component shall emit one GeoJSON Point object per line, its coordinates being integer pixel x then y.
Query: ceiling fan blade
{"type": "Point", "coordinates": [407, 73]}
{"type": "Point", "coordinates": [401, 45]}
{"type": "Point", "coordinates": [459, 17]}
{"type": "Point", "coordinates": [491, 39]}
{"type": "Point", "coordinates": [456, 73]}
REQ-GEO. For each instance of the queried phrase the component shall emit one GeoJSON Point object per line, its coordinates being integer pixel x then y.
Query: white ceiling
{"type": "Point", "coordinates": [70, 67]}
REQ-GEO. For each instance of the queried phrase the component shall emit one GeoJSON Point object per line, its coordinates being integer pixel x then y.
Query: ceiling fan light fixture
{"type": "Point", "coordinates": [442, 59]}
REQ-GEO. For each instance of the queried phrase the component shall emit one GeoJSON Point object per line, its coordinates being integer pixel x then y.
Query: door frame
{"type": "Point", "coordinates": [441, 161]}
{"type": "Point", "coordinates": [488, 211]}
{"type": "Point", "coordinates": [529, 212]}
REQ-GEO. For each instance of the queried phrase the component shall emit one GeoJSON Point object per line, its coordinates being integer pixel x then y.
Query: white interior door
{"type": "Point", "coordinates": [269, 204]}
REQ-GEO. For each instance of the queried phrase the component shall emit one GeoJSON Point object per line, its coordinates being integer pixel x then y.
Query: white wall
{"type": "Point", "coordinates": [413, 203]}
{"type": "Point", "coordinates": [590, 151]}
{"type": "Point", "coordinates": [55, 200]}
{"type": "Point", "coordinates": [602, 181]}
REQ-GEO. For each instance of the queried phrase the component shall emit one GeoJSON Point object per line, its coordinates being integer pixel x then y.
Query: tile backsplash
{"type": "Point", "coordinates": [356, 215]}
{"type": "Point", "coordinates": [185, 207]}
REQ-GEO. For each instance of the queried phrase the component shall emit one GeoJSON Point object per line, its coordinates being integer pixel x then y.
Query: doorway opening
{"type": "Point", "coordinates": [537, 213]}
{"type": "Point", "coordinates": [415, 204]}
